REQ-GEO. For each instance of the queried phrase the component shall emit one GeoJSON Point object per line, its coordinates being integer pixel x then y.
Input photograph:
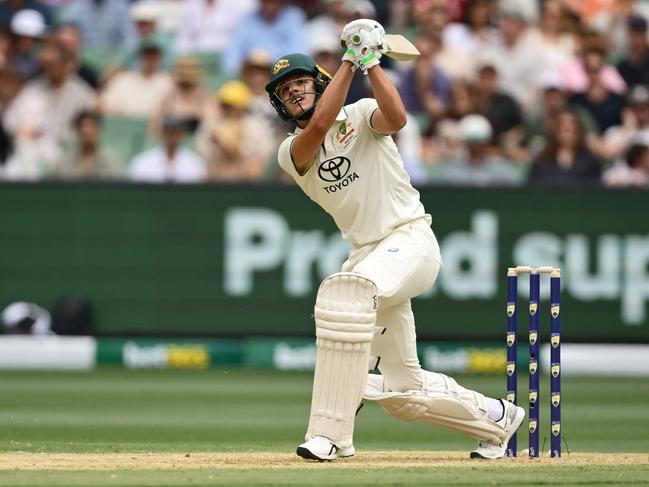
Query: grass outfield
{"type": "Point", "coordinates": [178, 416]}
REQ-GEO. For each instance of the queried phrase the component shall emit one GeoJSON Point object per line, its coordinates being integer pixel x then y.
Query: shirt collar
{"type": "Point", "coordinates": [342, 115]}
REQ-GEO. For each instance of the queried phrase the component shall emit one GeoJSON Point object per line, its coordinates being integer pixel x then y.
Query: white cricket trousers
{"type": "Point", "coordinates": [402, 265]}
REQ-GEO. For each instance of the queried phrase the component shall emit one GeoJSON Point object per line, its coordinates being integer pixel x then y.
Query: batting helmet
{"type": "Point", "coordinates": [289, 65]}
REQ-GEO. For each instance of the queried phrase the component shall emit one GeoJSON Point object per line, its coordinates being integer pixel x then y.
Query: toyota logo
{"type": "Point", "coordinates": [334, 169]}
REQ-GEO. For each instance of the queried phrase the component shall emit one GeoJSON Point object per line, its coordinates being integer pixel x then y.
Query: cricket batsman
{"type": "Point", "coordinates": [344, 159]}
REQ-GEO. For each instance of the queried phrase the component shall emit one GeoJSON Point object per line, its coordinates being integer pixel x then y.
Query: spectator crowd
{"type": "Point", "coordinates": [505, 92]}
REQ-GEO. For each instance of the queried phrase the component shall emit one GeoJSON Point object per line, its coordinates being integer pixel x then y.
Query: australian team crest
{"type": "Point", "coordinates": [511, 396]}
{"type": "Point", "coordinates": [554, 310]}
{"type": "Point", "coordinates": [555, 370]}
{"type": "Point", "coordinates": [556, 428]}
{"type": "Point", "coordinates": [281, 64]}
{"type": "Point", "coordinates": [533, 366]}
{"type": "Point", "coordinates": [533, 397]}
{"type": "Point", "coordinates": [511, 338]}
{"type": "Point", "coordinates": [533, 307]}
{"type": "Point", "coordinates": [511, 367]}
{"type": "Point", "coordinates": [511, 308]}
{"type": "Point", "coordinates": [533, 425]}
{"type": "Point", "coordinates": [533, 337]}
{"type": "Point", "coordinates": [555, 340]}
{"type": "Point", "coordinates": [345, 133]}
{"type": "Point", "coordinates": [556, 399]}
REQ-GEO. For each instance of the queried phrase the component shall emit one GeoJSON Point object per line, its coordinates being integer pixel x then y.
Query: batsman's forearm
{"type": "Point", "coordinates": [333, 99]}
{"type": "Point", "coordinates": [387, 97]}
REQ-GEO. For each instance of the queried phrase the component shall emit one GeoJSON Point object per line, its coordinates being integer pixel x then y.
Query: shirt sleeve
{"type": "Point", "coordinates": [285, 159]}
{"type": "Point", "coordinates": [366, 108]}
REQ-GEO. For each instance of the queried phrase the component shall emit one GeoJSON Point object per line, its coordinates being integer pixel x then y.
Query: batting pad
{"type": "Point", "coordinates": [345, 314]}
{"type": "Point", "coordinates": [442, 402]}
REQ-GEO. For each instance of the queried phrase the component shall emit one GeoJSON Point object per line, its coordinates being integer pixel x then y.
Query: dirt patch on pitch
{"type": "Point", "coordinates": [264, 460]}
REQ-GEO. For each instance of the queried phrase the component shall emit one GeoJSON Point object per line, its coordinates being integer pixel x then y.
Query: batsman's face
{"type": "Point", "coordinates": [297, 93]}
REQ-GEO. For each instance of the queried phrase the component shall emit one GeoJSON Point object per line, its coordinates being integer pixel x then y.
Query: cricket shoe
{"type": "Point", "coordinates": [322, 449]}
{"type": "Point", "coordinates": [511, 420]}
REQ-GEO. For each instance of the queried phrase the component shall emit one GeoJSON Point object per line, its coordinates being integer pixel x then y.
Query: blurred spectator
{"type": "Point", "coordinates": [330, 23]}
{"type": "Point", "coordinates": [208, 25]}
{"type": "Point", "coordinates": [237, 145]}
{"type": "Point", "coordinates": [360, 9]}
{"type": "Point", "coordinates": [611, 21]}
{"type": "Point", "coordinates": [503, 112]}
{"type": "Point", "coordinates": [528, 9]}
{"type": "Point", "coordinates": [517, 69]}
{"type": "Point", "coordinates": [553, 101]}
{"type": "Point", "coordinates": [383, 10]}
{"type": "Point", "coordinates": [574, 73]}
{"type": "Point", "coordinates": [104, 24]}
{"type": "Point", "coordinates": [565, 157]}
{"type": "Point", "coordinates": [410, 144]}
{"type": "Point", "coordinates": [327, 52]}
{"type": "Point", "coordinates": [27, 30]}
{"type": "Point", "coordinates": [633, 171]}
{"type": "Point", "coordinates": [145, 16]}
{"type": "Point", "coordinates": [11, 82]}
{"type": "Point", "coordinates": [456, 9]}
{"type": "Point", "coordinates": [82, 156]}
{"type": "Point", "coordinates": [425, 89]}
{"type": "Point", "coordinates": [189, 100]}
{"type": "Point", "coordinates": [456, 63]}
{"type": "Point", "coordinates": [557, 42]}
{"type": "Point", "coordinates": [479, 165]}
{"type": "Point", "coordinates": [42, 113]}
{"type": "Point", "coordinates": [461, 100]}
{"type": "Point", "coordinates": [8, 9]}
{"type": "Point", "coordinates": [634, 127]}
{"type": "Point", "coordinates": [5, 46]}
{"type": "Point", "coordinates": [442, 142]}
{"type": "Point", "coordinates": [169, 16]}
{"type": "Point", "coordinates": [275, 26]}
{"type": "Point", "coordinates": [475, 29]}
{"type": "Point", "coordinates": [169, 162]}
{"type": "Point", "coordinates": [604, 105]}
{"type": "Point", "coordinates": [587, 10]}
{"type": "Point", "coordinates": [138, 93]}
{"type": "Point", "coordinates": [255, 75]}
{"type": "Point", "coordinates": [400, 14]}
{"type": "Point", "coordinates": [69, 38]}
{"type": "Point", "coordinates": [429, 17]}
{"type": "Point", "coordinates": [634, 68]}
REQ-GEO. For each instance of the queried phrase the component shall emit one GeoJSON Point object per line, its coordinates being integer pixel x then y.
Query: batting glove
{"type": "Point", "coordinates": [364, 42]}
{"type": "Point", "coordinates": [362, 61]}
{"type": "Point", "coordinates": [366, 31]}
{"type": "Point", "coordinates": [350, 55]}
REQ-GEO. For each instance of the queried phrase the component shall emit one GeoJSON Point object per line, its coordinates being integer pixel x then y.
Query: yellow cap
{"type": "Point", "coordinates": [235, 93]}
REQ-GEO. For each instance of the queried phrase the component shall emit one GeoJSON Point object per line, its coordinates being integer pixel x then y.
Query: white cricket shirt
{"type": "Point", "coordinates": [358, 177]}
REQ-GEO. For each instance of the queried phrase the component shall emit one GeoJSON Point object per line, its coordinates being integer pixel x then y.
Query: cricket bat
{"type": "Point", "coordinates": [400, 48]}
